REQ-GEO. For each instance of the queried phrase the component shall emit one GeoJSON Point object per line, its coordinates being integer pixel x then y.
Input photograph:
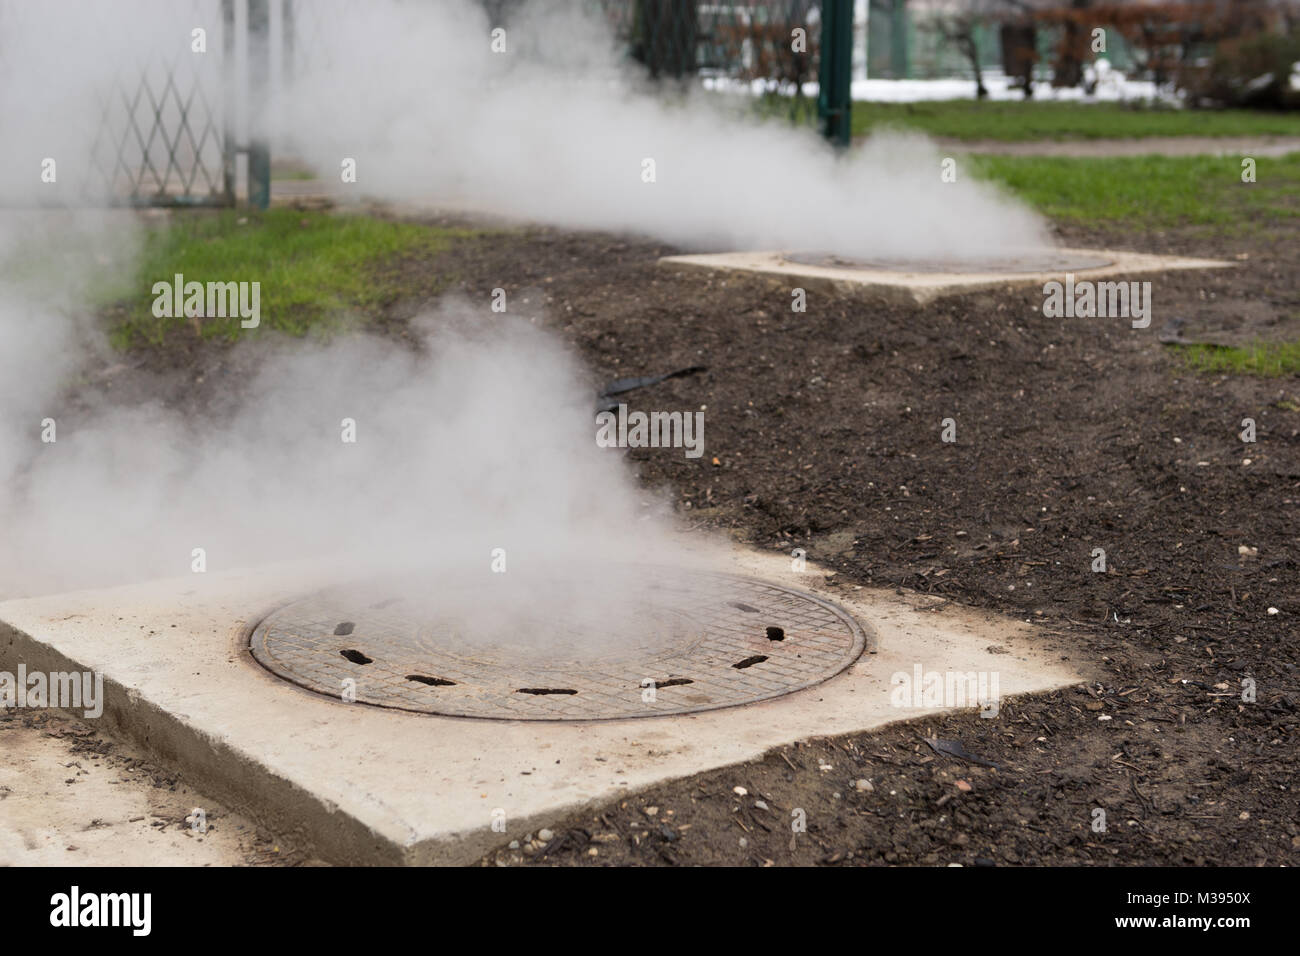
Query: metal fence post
{"type": "Point", "coordinates": [229, 148]}
{"type": "Point", "coordinates": [287, 41]}
{"type": "Point", "coordinates": [259, 76]}
{"type": "Point", "coordinates": [898, 46]}
{"type": "Point", "coordinates": [834, 98]}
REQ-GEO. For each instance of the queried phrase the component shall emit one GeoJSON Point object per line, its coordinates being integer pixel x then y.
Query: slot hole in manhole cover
{"type": "Point", "coordinates": [544, 691]}
{"type": "Point", "coordinates": [430, 681]}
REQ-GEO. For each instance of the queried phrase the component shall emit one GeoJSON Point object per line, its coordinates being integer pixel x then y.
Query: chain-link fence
{"type": "Point", "coordinates": [161, 140]}
{"type": "Point", "coordinates": [117, 115]}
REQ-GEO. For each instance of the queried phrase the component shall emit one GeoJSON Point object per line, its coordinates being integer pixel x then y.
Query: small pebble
{"type": "Point", "coordinates": [546, 836]}
{"type": "Point", "coordinates": [739, 791]}
{"type": "Point", "coordinates": [864, 785]}
{"type": "Point", "coordinates": [514, 844]}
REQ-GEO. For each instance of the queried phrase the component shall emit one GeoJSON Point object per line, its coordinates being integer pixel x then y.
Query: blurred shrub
{"type": "Point", "coordinates": [1254, 71]}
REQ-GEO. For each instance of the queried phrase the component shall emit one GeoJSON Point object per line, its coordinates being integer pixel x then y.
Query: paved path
{"type": "Point", "coordinates": [1254, 146]}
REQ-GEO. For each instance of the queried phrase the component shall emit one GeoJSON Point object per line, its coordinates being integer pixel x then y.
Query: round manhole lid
{"type": "Point", "coordinates": [1052, 262]}
{"type": "Point", "coordinates": [705, 641]}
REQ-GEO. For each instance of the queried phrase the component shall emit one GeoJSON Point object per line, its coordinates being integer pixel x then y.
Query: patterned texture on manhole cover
{"type": "Point", "coordinates": [1052, 262]}
{"type": "Point", "coordinates": [709, 640]}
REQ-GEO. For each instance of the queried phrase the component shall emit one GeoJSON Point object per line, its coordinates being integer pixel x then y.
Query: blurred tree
{"type": "Point", "coordinates": [666, 35]}
{"type": "Point", "coordinates": [1074, 47]}
{"type": "Point", "coordinates": [760, 47]}
{"type": "Point", "coordinates": [959, 25]}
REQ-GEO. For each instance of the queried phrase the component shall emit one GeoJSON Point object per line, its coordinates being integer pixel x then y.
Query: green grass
{"type": "Point", "coordinates": [1023, 121]}
{"type": "Point", "coordinates": [317, 271]}
{"type": "Point", "coordinates": [1151, 191]}
{"type": "Point", "coordinates": [1266, 359]}
{"type": "Point", "coordinates": [1017, 121]}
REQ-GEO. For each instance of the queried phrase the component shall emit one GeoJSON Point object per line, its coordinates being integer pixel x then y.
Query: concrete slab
{"type": "Point", "coordinates": [920, 287]}
{"type": "Point", "coordinates": [359, 784]}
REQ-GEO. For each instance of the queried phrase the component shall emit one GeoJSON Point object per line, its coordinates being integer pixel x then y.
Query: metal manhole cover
{"type": "Point", "coordinates": [1052, 262]}
{"type": "Point", "coordinates": [703, 641]}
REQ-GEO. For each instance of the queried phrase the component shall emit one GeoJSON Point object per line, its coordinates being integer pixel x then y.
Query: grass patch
{"type": "Point", "coordinates": [1267, 360]}
{"type": "Point", "coordinates": [1016, 121]}
{"type": "Point", "coordinates": [1012, 121]}
{"type": "Point", "coordinates": [317, 271]}
{"type": "Point", "coordinates": [1151, 191]}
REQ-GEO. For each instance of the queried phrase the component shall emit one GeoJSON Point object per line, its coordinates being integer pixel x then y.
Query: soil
{"type": "Point", "coordinates": [823, 432]}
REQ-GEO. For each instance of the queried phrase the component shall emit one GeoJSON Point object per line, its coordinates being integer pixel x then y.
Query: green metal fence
{"type": "Point", "coordinates": [772, 47]}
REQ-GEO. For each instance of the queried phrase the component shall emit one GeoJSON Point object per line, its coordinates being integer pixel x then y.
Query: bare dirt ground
{"type": "Point", "coordinates": [823, 432]}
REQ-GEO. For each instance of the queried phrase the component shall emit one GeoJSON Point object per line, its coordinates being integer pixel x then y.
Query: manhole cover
{"type": "Point", "coordinates": [703, 641]}
{"type": "Point", "coordinates": [1052, 262]}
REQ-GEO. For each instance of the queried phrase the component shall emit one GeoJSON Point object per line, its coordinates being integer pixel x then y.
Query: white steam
{"type": "Point", "coordinates": [557, 129]}
{"type": "Point", "coordinates": [482, 439]}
